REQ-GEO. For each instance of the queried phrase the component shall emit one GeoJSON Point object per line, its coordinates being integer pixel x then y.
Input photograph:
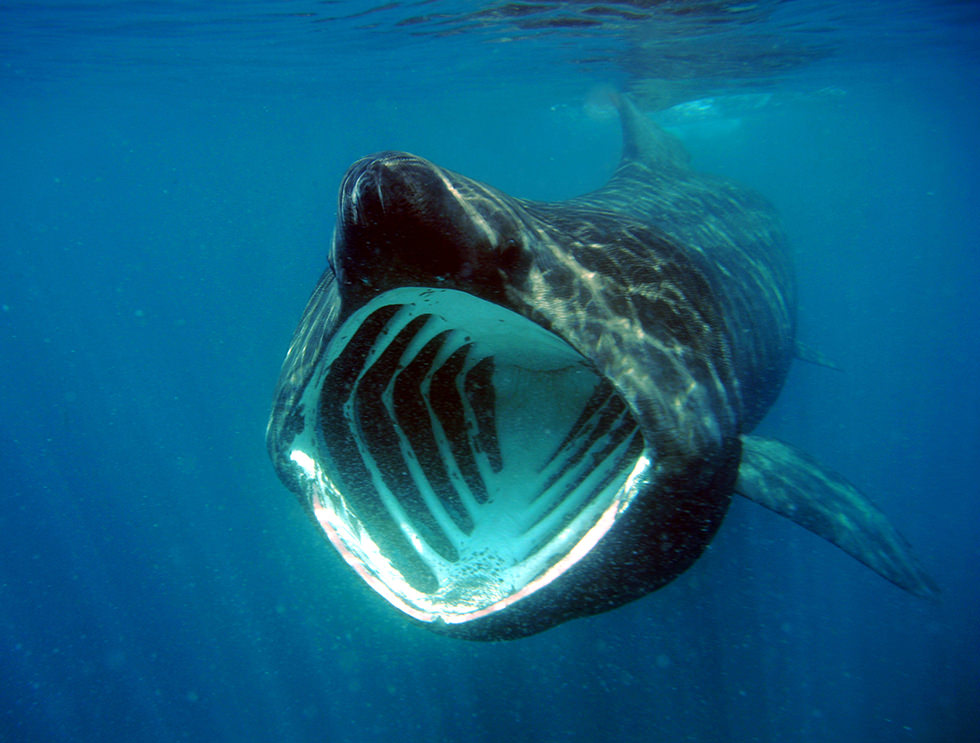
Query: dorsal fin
{"type": "Point", "coordinates": [644, 141]}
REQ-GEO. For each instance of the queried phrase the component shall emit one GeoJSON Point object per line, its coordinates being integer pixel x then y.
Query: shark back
{"type": "Point", "coordinates": [730, 232]}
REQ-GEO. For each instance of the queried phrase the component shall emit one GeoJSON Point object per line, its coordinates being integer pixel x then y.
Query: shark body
{"type": "Point", "coordinates": [505, 414]}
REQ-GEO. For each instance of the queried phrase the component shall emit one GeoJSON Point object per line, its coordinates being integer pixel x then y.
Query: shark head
{"type": "Point", "coordinates": [503, 413]}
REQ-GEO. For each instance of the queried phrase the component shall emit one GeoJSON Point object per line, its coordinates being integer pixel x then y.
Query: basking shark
{"type": "Point", "coordinates": [505, 413]}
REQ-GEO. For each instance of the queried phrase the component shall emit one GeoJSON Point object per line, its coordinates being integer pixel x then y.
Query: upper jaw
{"type": "Point", "coordinates": [403, 221]}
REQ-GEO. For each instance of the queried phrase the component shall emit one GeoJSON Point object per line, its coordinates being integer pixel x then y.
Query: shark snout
{"type": "Point", "coordinates": [388, 186]}
{"type": "Point", "coordinates": [403, 221]}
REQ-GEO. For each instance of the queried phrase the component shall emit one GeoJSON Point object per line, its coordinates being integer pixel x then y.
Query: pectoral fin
{"type": "Point", "coordinates": [813, 356]}
{"type": "Point", "coordinates": [791, 483]}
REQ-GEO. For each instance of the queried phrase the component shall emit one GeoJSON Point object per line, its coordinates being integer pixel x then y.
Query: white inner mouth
{"type": "Point", "coordinates": [460, 456]}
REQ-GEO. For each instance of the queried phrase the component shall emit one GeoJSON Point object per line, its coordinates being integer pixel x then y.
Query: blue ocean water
{"type": "Point", "coordinates": [169, 181]}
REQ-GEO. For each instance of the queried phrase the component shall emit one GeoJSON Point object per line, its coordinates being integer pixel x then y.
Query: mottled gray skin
{"type": "Point", "coordinates": [675, 285]}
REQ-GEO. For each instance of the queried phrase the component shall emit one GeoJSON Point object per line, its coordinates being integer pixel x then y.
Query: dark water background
{"type": "Point", "coordinates": [169, 172]}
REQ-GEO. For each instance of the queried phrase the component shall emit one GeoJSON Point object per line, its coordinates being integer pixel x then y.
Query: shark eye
{"type": "Point", "coordinates": [460, 456]}
{"type": "Point", "coordinates": [511, 254]}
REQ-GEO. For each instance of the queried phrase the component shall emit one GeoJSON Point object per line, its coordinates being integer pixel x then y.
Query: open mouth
{"type": "Point", "coordinates": [460, 456]}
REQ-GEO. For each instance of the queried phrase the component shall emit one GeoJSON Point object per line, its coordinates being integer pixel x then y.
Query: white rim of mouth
{"type": "Point", "coordinates": [461, 457]}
